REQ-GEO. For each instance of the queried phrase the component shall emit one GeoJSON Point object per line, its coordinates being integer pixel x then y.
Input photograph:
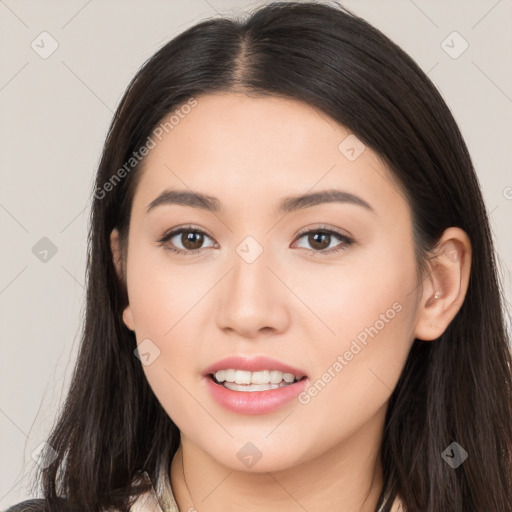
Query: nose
{"type": "Point", "coordinates": [252, 299]}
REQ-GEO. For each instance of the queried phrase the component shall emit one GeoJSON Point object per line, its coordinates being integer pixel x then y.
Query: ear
{"type": "Point", "coordinates": [115, 247]}
{"type": "Point", "coordinates": [445, 286]}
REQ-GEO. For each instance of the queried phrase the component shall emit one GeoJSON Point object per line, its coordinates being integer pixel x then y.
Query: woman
{"type": "Point", "coordinates": [293, 301]}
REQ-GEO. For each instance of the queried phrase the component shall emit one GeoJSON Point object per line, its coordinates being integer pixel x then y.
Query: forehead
{"type": "Point", "coordinates": [254, 149]}
{"type": "Point", "coordinates": [236, 126]}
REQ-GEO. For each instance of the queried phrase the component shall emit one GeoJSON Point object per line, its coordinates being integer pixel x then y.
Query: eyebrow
{"type": "Point", "coordinates": [287, 205]}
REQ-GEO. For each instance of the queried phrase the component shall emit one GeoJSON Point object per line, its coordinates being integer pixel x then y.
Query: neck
{"type": "Point", "coordinates": [347, 477]}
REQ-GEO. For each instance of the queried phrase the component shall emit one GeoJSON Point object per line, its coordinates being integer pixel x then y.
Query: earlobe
{"type": "Point", "coordinates": [118, 264]}
{"type": "Point", "coordinates": [128, 318]}
{"type": "Point", "coordinates": [445, 285]}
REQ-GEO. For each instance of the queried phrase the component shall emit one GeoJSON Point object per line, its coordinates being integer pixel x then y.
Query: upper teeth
{"type": "Point", "coordinates": [262, 377]}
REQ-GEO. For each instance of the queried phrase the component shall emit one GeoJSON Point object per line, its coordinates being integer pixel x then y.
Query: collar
{"type": "Point", "coordinates": [149, 502]}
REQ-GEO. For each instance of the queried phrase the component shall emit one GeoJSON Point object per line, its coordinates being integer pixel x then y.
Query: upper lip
{"type": "Point", "coordinates": [253, 364]}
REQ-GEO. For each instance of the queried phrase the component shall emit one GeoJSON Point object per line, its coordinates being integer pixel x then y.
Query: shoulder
{"type": "Point", "coordinates": [39, 505]}
{"type": "Point", "coordinates": [33, 505]}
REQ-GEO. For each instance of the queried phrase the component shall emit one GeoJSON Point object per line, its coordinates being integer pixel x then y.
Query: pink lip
{"type": "Point", "coordinates": [252, 364]}
{"type": "Point", "coordinates": [253, 402]}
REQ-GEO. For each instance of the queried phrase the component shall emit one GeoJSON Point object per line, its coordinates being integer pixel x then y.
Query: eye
{"type": "Point", "coordinates": [190, 238]}
{"type": "Point", "coordinates": [321, 237]}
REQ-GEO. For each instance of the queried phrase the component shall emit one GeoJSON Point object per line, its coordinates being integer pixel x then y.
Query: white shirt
{"type": "Point", "coordinates": [148, 502]}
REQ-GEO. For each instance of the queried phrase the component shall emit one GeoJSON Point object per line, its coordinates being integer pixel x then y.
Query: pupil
{"type": "Point", "coordinates": [314, 242]}
{"type": "Point", "coordinates": [188, 240]}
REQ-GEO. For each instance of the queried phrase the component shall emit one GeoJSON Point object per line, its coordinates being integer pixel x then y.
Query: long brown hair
{"type": "Point", "coordinates": [457, 388]}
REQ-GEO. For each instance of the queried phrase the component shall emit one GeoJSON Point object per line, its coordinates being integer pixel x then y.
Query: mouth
{"type": "Point", "coordinates": [253, 385]}
{"type": "Point", "coordinates": [247, 381]}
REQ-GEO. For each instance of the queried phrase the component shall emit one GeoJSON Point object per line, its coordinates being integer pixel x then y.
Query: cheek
{"type": "Point", "coordinates": [369, 315]}
{"type": "Point", "coordinates": [161, 293]}
{"type": "Point", "coordinates": [168, 308]}
{"type": "Point", "coordinates": [357, 297]}
{"type": "Point", "coordinates": [162, 297]}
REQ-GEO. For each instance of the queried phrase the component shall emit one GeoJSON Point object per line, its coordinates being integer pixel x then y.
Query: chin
{"type": "Point", "coordinates": [257, 456]}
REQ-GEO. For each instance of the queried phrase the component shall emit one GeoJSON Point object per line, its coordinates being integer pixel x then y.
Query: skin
{"type": "Point", "coordinates": [294, 305]}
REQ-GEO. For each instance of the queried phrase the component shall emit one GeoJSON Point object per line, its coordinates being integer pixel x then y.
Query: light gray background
{"type": "Point", "coordinates": [55, 114]}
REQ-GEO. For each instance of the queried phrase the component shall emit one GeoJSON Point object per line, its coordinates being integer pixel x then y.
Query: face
{"type": "Point", "coordinates": [322, 293]}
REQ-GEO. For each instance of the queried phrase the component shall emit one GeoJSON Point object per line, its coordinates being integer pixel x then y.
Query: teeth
{"type": "Point", "coordinates": [246, 378]}
{"type": "Point", "coordinates": [276, 377]}
{"type": "Point", "coordinates": [252, 387]}
{"type": "Point", "coordinates": [260, 377]}
{"type": "Point", "coordinates": [221, 375]}
{"type": "Point", "coordinates": [242, 377]}
{"type": "Point", "coordinates": [289, 377]}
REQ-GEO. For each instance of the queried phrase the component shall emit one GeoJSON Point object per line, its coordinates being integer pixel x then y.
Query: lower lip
{"type": "Point", "coordinates": [254, 402]}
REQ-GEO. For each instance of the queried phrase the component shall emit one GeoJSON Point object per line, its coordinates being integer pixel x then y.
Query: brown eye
{"type": "Point", "coordinates": [185, 240]}
{"type": "Point", "coordinates": [320, 239]}
{"type": "Point", "coordinates": [192, 239]}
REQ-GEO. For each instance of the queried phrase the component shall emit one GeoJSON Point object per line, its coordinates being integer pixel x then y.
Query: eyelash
{"type": "Point", "coordinates": [346, 241]}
